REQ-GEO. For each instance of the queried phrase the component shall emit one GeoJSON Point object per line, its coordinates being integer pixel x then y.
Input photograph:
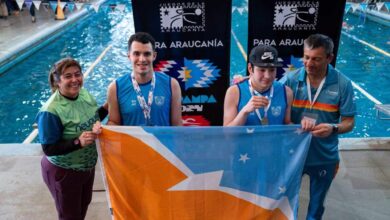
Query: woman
{"type": "Point", "coordinates": [64, 123]}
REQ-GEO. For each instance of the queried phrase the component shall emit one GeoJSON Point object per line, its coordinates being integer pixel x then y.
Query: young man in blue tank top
{"type": "Point", "coordinates": [323, 104]}
{"type": "Point", "coordinates": [259, 100]}
{"type": "Point", "coordinates": [144, 97]}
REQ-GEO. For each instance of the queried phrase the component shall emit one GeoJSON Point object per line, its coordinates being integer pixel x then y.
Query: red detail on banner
{"type": "Point", "coordinates": [195, 120]}
{"type": "Point", "coordinates": [161, 65]}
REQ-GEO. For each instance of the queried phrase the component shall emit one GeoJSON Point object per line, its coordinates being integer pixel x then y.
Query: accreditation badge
{"type": "Point", "coordinates": [310, 116]}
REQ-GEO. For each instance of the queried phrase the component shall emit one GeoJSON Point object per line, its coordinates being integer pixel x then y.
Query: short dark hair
{"type": "Point", "coordinates": [58, 69]}
{"type": "Point", "coordinates": [319, 40]}
{"type": "Point", "coordinates": [141, 37]}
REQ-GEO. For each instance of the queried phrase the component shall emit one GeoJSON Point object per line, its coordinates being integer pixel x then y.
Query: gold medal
{"type": "Point", "coordinates": [264, 121]}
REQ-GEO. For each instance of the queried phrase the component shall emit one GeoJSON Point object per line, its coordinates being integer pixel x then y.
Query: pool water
{"type": "Point", "coordinates": [25, 87]}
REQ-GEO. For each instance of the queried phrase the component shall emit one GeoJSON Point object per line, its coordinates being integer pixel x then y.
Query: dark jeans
{"type": "Point", "coordinates": [71, 190]}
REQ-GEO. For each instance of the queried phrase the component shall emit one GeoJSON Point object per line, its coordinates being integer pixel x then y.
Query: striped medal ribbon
{"type": "Point", "coordinates": [263, 120]}
{"type": "Point", "coordinates": [146, 107]}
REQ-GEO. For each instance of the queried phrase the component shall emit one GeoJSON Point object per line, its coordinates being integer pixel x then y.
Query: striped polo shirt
{"type": "Point", "coordinates": [335, 100]}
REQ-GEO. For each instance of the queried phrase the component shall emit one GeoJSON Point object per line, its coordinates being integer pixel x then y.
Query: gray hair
{"type": "Point", "coordinates": [319, 40]}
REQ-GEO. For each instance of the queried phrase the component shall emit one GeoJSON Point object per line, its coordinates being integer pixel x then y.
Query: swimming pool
{"type": "Point", "coordinates": [25, 87]}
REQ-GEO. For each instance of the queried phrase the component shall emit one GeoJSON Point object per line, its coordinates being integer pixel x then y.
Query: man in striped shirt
{"type": "Point", "coordinates": [323, 104]}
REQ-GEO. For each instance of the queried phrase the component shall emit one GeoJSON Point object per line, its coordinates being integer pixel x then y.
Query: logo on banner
{"type": "Point", "coordinates": [195, 120]}
{"type": "Point", "coordinates": [182, 17]}
{"type": "Point", "coordinates": [296, 15]}
{"type": "Point", "coordinates": [195, 103]}
{"type": "Point", "coordinates": [201, 99]}
{"type": "Point", "coordinates": [190, 73]}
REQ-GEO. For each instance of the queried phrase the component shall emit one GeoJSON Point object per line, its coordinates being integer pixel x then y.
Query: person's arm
{"type": "Point", "coordinates": [230, 108]}
{"type": "Point", "coordinates": [346, 124]}
{"type": "Point", "coordinates": [114, 117]}
{"type": "Point", "coordinates": [103, 111]}
{"type": "Point", "coordinates": [289, 96]}
{"type": "Point", "coordinates": [347, 108]}
{"type": "Point", "coordinates": [50, 132]}
{"type": "Point", "coordinates": [325, 129]}
{"type": "Point", "coordinates": [61, 147]}
{"type": "Point", "coordinates": [176, 119]}
{"type": "Point", "coordinates": [231, 116]}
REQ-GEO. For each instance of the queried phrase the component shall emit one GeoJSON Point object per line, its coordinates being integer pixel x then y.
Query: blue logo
{"type": "Point", "coordinates": [190, 73]}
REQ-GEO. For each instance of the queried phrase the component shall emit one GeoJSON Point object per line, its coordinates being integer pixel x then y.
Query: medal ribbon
{"type": "Point", "coordinates": [312, 102]}
{"type": "Point", "coordinates": [256, 93]}
{"type": "Point", "coordinates": [146, 107]}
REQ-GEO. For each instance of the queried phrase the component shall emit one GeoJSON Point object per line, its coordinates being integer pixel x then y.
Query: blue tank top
{"type": "Point", "coordinates": [276, 111]}
{"type": "Point", "coordinates": [129, 108]}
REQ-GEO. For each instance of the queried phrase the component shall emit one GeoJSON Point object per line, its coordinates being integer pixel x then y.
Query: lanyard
{"type": "Point", "coordinates": [256, 93]}
{"type": "Point", "coordinates": [317, 92]}
{"type": "Point", "coordinates": [146, 107]}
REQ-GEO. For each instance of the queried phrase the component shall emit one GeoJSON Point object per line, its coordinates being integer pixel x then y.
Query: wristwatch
{"type": "Point", "coordinates": [335, 128]}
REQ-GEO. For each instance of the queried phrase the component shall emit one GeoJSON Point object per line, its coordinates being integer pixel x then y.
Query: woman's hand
{"type": "Point", "coordinates": [97, 128]}
{"type": "Point", "coordinates": [86, 138]}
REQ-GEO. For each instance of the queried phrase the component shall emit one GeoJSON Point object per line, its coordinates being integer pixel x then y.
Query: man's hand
{"type": "Point", "coordinates": [322, 130]}
{"type": "Point", "coordinates": [254, 103]}
{"type": "Point", "coordinates": [308, 124]}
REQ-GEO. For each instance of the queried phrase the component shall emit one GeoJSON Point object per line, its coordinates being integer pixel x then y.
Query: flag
{"type": "Point", "coordinates": [203, 172]}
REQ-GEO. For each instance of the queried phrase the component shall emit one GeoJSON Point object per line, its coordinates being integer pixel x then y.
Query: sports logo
{"type": "Point", "coordinates": [182, 17]}
{"type": "Point", "coordinates": [276, 110]}
{"type": "Point", "coordinates": [331, 93]}
{"type": "Point", "coordinates": [190, 73]}
{"type": "Point", "coordinates": [159, 100]}
{"type": "Point", "coordinates": [198, 99]}
{"type": "Point", "coordinates": [192, 108]}
{"type": "Point", "coordinates": [267, 55]}
{"type": "Point", "coordinates": [296, 15]}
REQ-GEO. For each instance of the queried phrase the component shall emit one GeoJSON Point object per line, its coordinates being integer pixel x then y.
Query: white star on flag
{"type": "Point", "coordinates": [244, 158]}
{"type": "Point", "coordinates": [282, 189]}
{"type": "Point", "coordinates": [299, 131]}
{"type": "Point", "coordinates": [250, 130]}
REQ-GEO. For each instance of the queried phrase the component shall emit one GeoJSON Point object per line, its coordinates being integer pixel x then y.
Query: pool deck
{"type": "Point", "coordinates": [361, 189]}
{"type": "Point", "coordinates": [18, 33]}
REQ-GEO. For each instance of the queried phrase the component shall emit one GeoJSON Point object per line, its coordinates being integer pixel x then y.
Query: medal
{"type": "Point", "coordinates": [264, 121]}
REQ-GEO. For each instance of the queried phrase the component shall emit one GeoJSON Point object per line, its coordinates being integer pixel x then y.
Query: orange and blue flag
{"type": "Point", "coordinates": [203, 172]}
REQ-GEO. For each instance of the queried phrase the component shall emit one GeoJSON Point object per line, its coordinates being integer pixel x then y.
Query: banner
{"type": "Point", "coordinates": [203, 172]}
{"type": "Point", "coordinates": [193, 45]}
{"type": "Point", "coordinates": [285, 24]}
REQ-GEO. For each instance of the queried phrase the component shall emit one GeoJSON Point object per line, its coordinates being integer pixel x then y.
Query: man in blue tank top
{"type": "Point", "coordinates": [259, 100]}
{"type": "Point", "coordinates": [144, 97]}
{"type": "Point", "coordinates": [323, 104]}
